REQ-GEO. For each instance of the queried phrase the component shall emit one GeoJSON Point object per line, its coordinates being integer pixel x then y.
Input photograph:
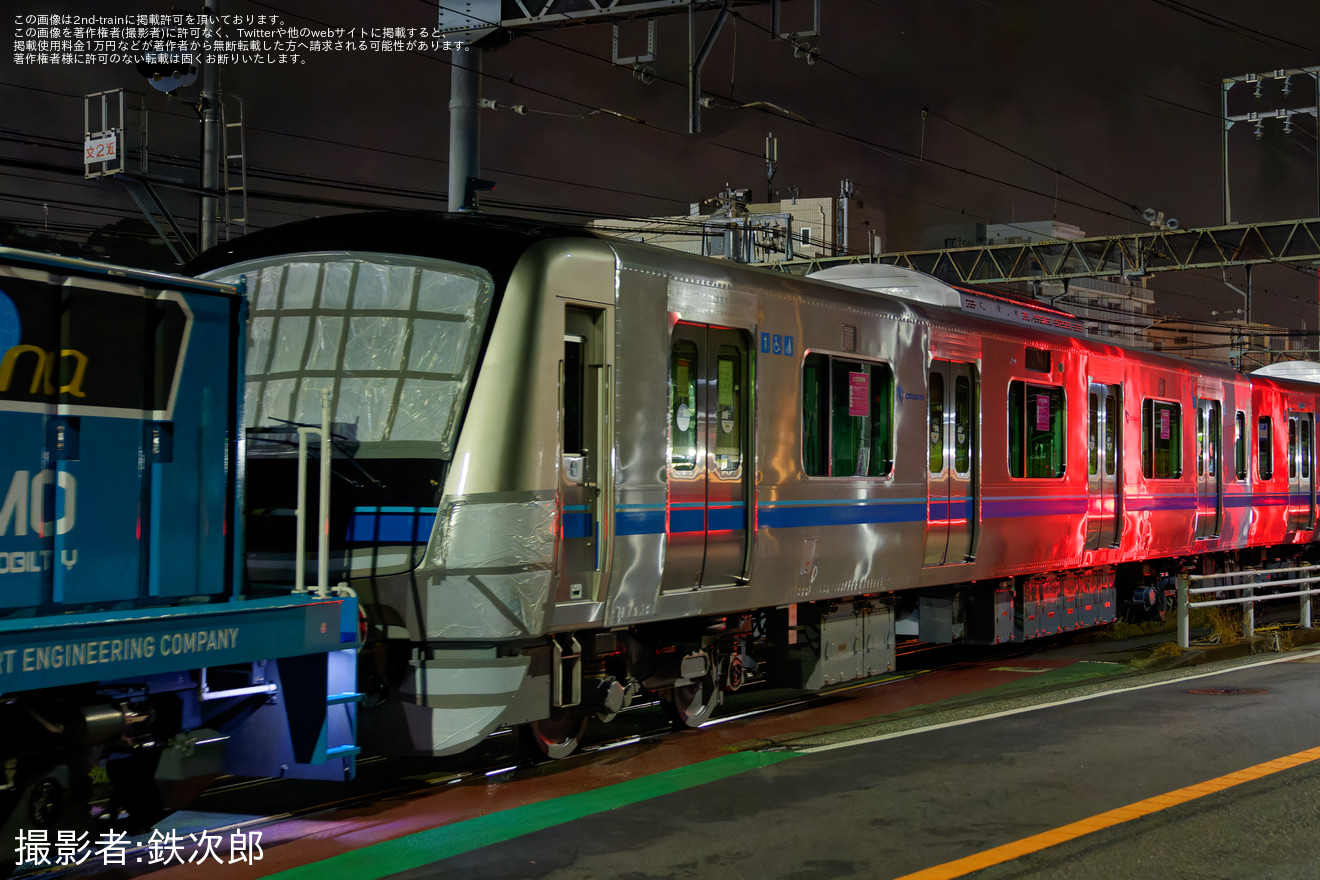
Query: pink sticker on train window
{"type": "Point", "coordinates": [1164, 424]}
{"type": "Point", "coordinates": [1042, 412]}
{"type": "Point", "coordinates": [858, 395]}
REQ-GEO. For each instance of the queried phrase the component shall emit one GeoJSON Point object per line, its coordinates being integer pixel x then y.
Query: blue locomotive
{"type": "Point", "coordinates": [132, 649]}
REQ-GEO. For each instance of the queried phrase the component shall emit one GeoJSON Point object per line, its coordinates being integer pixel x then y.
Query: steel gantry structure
{"type": "Point", "coordinates": [1132, 255]}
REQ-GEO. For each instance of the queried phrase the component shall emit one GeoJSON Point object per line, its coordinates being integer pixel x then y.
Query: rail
{"type": "Point", "coordinates": [1249, 597]}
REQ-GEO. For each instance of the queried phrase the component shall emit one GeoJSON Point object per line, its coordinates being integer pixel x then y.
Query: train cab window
{"type": "Point", "coordinates": [683, 406]}
{"type": "Point", "coordinates": [1265, 448]}
{"type": "Point", "coordinates": [1240, 445]}
{"type": "Point", "coordinates": [1036, 431]}
{"type": "Point", "coordinates": [847, 417]}
{"type": "Point", "coordinates": [1161, 440]}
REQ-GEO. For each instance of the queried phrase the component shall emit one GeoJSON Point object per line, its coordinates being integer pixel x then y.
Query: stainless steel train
{"type": "Point", "coordinates": [570, 471]}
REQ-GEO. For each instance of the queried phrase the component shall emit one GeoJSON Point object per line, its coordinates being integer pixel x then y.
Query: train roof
{"type": "Point", "coordinates": [495, 242]}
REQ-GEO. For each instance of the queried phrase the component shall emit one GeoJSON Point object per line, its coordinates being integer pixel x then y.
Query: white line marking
{"type": "Point", "coordinates": [812, 750]}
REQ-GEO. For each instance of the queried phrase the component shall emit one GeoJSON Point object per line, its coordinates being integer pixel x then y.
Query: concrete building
{"type": "Point", "coordinates": [731, 227]}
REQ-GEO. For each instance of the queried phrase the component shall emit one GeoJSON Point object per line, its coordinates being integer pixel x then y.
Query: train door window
{"type": "Point", "coordinates": [935, 405]}
{"type": "Point", "coordinates": [1093, 435]}
{"type": "Point", "coordinates": [573, 391]}
{"type": "Point", "coordinates": [1111, 433]}
{"type": "Point", "coordinates": [1200, 442]}
{"type": "Point", "coordinates": [683, 406]}
{"type": "Point", "coordinates": [1292, 448]}
{"type": "Point", "coordinates": [1240, 445]}
{"type": "Point", "coordinates": [1265, 448]}
{"type": "Point", "coordinates": [1036, 431]}
{"type": "Point", "coordinates": [1161, 440]}
{"type": "Point", "coordinates": [729, 411]}
{"type": "Point", "coordinates": [1306, 448]}
{"type": "Point", "coordinates": [962, 424]}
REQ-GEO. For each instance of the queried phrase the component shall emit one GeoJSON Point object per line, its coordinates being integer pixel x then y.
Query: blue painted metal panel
{"type": "Point", "coordinates": [76, 648]}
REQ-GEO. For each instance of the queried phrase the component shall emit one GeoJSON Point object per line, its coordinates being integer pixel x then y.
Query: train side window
{"type": "Point", "coordinates": [1240, 445]}
{"type": "Point", "coordinates": [815, 415]}
{"type": "Point", "coordinates": [1161, 440]}
{"type": "Point", "coordinates": [1265, 448]}
{"type": "Point", "coordinates": [847, 417]}
{"type": "Point", "coordinates": [1036, 431]}
{"type": "Point", "coordinates": [683, 406]}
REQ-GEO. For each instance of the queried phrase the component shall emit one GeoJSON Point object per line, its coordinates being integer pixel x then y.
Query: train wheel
{"type": "Point", "coordinates": [559, 735]}
{"type": "Point", "coordinates": [691, 705]}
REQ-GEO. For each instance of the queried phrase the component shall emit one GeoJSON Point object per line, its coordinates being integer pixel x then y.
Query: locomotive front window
{"type": "Point", "coordinates": [1036, 435]}
{"type": "Point", "coordinates": [847, 417]}
{"type": "Point", "coordinates": [1161, 440]}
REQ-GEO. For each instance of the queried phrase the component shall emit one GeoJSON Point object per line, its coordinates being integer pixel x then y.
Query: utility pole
{"type": "Point", "coordinates": [464, 127]}
{"type": "Point", "coordinates": [771, 164]}
{"type": "Point", "coordinates": [210, 113]}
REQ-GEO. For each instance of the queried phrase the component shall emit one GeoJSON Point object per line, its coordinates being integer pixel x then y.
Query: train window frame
{"type": "Point", "coordinates": [1020, 464]}
{"type": "Point", "coordinates": [1265, 448]}
{"type": "Point", "coordinates": [1170, 466]}
{"type": "Point", "coordinates": [826, 397]}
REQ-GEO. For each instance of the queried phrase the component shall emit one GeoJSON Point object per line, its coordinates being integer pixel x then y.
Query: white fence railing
{"type": "Point", "coordinates": [1247, 597]}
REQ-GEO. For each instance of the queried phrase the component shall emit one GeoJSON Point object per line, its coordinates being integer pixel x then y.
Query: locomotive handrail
{"type": "Point", "coordinates": [323, 520]}
{"type": "Point", "coordinates": [1247, 601]}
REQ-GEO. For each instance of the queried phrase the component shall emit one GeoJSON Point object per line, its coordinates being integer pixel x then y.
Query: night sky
{"type": "Point", "coordinates": [1085, 113]}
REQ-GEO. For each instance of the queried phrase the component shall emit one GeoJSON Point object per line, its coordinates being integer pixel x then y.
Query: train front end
{"type": "Point", "coordinates": [441, 375]}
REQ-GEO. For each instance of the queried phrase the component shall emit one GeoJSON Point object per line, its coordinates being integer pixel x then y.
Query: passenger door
{"type": "Point", "coordinates": [708, 525]}
{"type": "Point", "coordinates": [951, 512]}
{"type": "Point", "coordinates": [1209, 468]}
{"type": "Point", "coordinates": [1301, 472]}
{"type": "Point", "coordinates": [1104, 440]}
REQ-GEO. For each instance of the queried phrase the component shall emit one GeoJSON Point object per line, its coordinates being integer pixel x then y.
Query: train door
{"type": "Point", "coordinates": [707, 522]}
{"type": "Point", "coordinates": [1103, 505]}
{"type": "Point", "coordinates": [585, 482]}
{"type": "Point", "coordinates": [1209, 468]}
{"type": "Point", "coordinates": [1301, 472]}
{"type": "Point", "coordinates": [951, 512]}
